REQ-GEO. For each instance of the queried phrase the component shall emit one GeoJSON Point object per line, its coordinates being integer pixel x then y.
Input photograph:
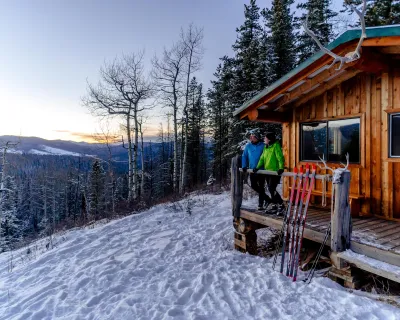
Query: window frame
{"type": "Point", "coordinates": [390, 155]}
{"type": "Point", "coordinates": [326, 121]}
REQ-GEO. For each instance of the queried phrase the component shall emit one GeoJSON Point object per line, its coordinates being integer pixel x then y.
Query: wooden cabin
{"type": "Point", "coordinates": [329, 112]}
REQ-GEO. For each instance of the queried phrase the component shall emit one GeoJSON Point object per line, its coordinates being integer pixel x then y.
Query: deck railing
{"type": "Point", "coordinates": [341, 225]}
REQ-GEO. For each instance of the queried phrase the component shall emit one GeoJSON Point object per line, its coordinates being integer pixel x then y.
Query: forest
{"type": "Point", "coordinates": [40, 194]}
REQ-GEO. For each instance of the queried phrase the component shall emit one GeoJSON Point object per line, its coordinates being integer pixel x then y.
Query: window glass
{"type": "Point", "coordinates": [395, 135]}
{"type": "Point", "coordinates": [313, 144]}
{"type": "Point", "coordinates": [344, 137]}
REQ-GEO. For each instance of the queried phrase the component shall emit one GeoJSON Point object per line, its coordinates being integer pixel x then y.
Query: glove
{"type": "Point", "coordinates": [255, 170]}
{"type": "Point", "coordinates": [280, 171]}
{"type": "Point", "coordinates": [244, 169]}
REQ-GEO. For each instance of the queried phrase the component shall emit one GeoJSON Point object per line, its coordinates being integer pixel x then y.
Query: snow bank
{"type": "Point", "coordinates": [166, 264]}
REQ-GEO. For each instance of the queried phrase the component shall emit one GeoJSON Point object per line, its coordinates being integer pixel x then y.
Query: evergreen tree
{"type": "Point", "coordinates": [96, 191]}
{"type": "Point", "coordinates": [319, 20]}
{"type": "Point", "coordinates": [279, 22]}
{"type": "Point", "coordinates": [247, 54]}
{"type": "Point", "coordinates": [379, 12]}
{"type": "Point", "coordinates": [10, 224]}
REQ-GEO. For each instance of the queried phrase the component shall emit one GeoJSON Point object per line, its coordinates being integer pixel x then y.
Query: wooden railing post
{"type": "Point", "coordinates": [341, 225]}
{"type": "Point", "coordinates": [236, 186]}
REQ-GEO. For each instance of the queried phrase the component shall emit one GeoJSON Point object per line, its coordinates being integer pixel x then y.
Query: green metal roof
{"type": "Point", "coordinates": [349, 35]}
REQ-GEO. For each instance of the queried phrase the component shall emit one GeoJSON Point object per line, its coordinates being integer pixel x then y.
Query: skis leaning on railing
{"type": "Point", "coordinates": [300, 226]}
{"type": "Point", "coordinates": [289, 235]}
{"type": "Point", "coordinates": [293, 223]}
{"type": "Point", "coordinates": [284, 230]}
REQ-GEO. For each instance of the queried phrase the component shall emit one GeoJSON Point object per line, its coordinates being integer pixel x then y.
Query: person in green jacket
{"type": "Point", "coordinates": [272, 159]}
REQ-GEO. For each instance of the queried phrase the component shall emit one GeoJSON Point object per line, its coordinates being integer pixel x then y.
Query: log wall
{"type": "Point", "coordinates": [370, 97]}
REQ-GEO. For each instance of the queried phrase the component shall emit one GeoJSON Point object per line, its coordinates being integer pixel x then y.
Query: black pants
{"type": "Point", "coordinates": [272, 182]}
{"type": "Point", "coordinates": [257, 182]}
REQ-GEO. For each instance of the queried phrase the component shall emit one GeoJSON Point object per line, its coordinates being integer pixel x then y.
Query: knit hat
{"type": "Point", "coordinates": [256, 133]}
{"type": "Point", "coordinates": [270, 136]}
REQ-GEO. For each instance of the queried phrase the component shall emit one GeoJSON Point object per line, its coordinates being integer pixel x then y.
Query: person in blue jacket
{"type": "Point", "coordinates": [250, 157]}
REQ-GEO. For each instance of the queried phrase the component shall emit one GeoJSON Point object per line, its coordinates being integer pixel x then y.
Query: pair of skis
{"type": "Point", "coordinates": [294, 221]}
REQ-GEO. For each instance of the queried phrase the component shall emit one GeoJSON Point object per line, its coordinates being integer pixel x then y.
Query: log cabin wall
{"type": "Point", "coordinates": [368, 97]}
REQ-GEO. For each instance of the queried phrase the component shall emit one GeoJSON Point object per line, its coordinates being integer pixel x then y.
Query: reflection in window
{"type": "Point", "coordinates": [313, 141]}
{"type": "Point", "coordinates": [344, 137]}
{"type": "Point", "coordinates": [331, 140]}
{"type": "Point", "coordinates": [395, 135]}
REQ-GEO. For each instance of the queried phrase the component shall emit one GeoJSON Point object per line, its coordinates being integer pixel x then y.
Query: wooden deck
{"type": "Point", "coordinates": [373, 237]}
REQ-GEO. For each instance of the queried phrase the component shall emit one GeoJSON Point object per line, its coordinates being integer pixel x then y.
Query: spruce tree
{"type": "Point", "coordinates": [379, 12]}
{"type": "Point", "coordinates": [319, 21]}
{"type": "Point", "coordinates": [279, 21]}
{"type": "Point", "coordinates": [96, 190]}
{"type": "Point", "coordinates": [247, 54]}
{"type": "Point", "coordinates": [10, 224]}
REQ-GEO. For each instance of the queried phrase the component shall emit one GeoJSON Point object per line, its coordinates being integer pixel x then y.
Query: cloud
{"type": "Point", "coordinates": [62, 131]}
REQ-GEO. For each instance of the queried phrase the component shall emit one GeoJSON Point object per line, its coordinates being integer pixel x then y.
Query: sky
{"type": "Point", "coordinates": [51, 48]}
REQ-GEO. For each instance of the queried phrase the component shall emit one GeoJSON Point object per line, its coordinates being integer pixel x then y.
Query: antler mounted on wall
{"type": "Point", "coordinates": [351, 56]}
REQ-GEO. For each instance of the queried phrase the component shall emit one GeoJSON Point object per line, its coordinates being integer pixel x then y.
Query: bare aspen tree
{"type": "Point", "coordinates": [141, 131]}
{"type": "Point", "coordinates": [168, 74]}
{"type": "Point", "coordinates": [122, 90]}
{"type": "Point", "coordinates": [192, 39]}
{"type": "Point", "coordinates": [107, 137]}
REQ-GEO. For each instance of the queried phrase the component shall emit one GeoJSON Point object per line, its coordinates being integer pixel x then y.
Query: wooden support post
{"type": "Point", "coordinates": [341, 225]}
{"type": "Point", "coordinates": [236, 186]}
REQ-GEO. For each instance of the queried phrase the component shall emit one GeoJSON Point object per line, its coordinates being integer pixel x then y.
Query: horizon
{"type": "Point", "coordinates": [50, 50]}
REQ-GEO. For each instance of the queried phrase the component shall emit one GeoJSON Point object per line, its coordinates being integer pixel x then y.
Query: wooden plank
{"type": "Point", "coordinates": [318, 219]}
{"type": "Point", "coordinates": [325, 104]}
{"type": "Point", "coordinates": [357, 96]}
{"type": "Point", "coordinates": [392, 242]}
{"type": "Point", "coordinates": [348, 89]}
{"type": "Point", "coordinates": [366, 143]}
{"type": "Point", "coordinates": [319, 224]}
{"type": "Point", "coordinates": [381, 41]}
{"type": "Point", "coordinates": [286, 154]}
{"type": "Point", "coordinates": [383, 230]}
{"type": "Point", "coordinates": [376, 146]}
{"type": "Point", "coordinates": [236, 185]}
{"type": "Point", "coordinates": [277, 224]}
{"type": "Point", "coordinates": [387, 168]}
{"type": "Point", "coordinates": [364, 221]}
{"type": "Point", "coordinates": [396, 190]}
{"type": "Point", "coordinates": [376, 253]}
{"type": "Point", "coordinates": [341, 218]}
{"type": "Point", "coordinates": [341, 101]}
{"type": "Point", "coordinates": [293, 143]}
{"type": "Point", "coordinates": [370, 268]}
{"type": "Point", "coordinates": [326, 86]}
{"type": "Point", "coordinates": [366, 226]}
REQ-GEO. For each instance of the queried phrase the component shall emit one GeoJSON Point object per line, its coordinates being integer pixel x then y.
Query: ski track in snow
{"type": "Point", "coordinates": [168, 265]}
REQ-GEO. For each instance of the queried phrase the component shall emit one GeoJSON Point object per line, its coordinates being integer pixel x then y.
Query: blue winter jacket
{"type": "Point", "coordinates": [251, 154]}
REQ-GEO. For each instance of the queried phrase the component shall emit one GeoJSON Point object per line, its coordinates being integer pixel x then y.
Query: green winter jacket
{"type": "Point", "coordinates": [272, 158]}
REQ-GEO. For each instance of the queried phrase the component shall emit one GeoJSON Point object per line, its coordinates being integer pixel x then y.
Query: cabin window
{"type": "Point", "coordinates": [331, 140]}
{"type": "Point", "coordinates": [394, 143]}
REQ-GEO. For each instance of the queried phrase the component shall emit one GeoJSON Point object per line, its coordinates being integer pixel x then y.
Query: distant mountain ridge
{"type": "Point", "coordinates": [40, 146]}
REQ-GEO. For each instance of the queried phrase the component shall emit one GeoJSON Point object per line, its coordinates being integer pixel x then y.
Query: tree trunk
{"type": "Point", "coordinates": [184, 161]}
{"type": "Point", "coordinates": [142, 160]}
{"type": "Point", "coordinates": [135, 155]}
{"type": "Point", "coordinates": [130, 160]}
{"type": "Point", "coordinates": [176, 160]}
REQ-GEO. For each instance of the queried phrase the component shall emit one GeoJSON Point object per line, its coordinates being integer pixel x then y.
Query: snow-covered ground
{"type": "Point", "coordinates": [167, 264]}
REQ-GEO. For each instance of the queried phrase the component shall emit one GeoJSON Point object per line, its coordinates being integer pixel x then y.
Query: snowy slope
{"type": "Point", "coordinates": [166, 264]}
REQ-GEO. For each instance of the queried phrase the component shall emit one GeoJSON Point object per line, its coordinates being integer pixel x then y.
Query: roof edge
{"type": "Point", "coordinates": [347, 36]}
